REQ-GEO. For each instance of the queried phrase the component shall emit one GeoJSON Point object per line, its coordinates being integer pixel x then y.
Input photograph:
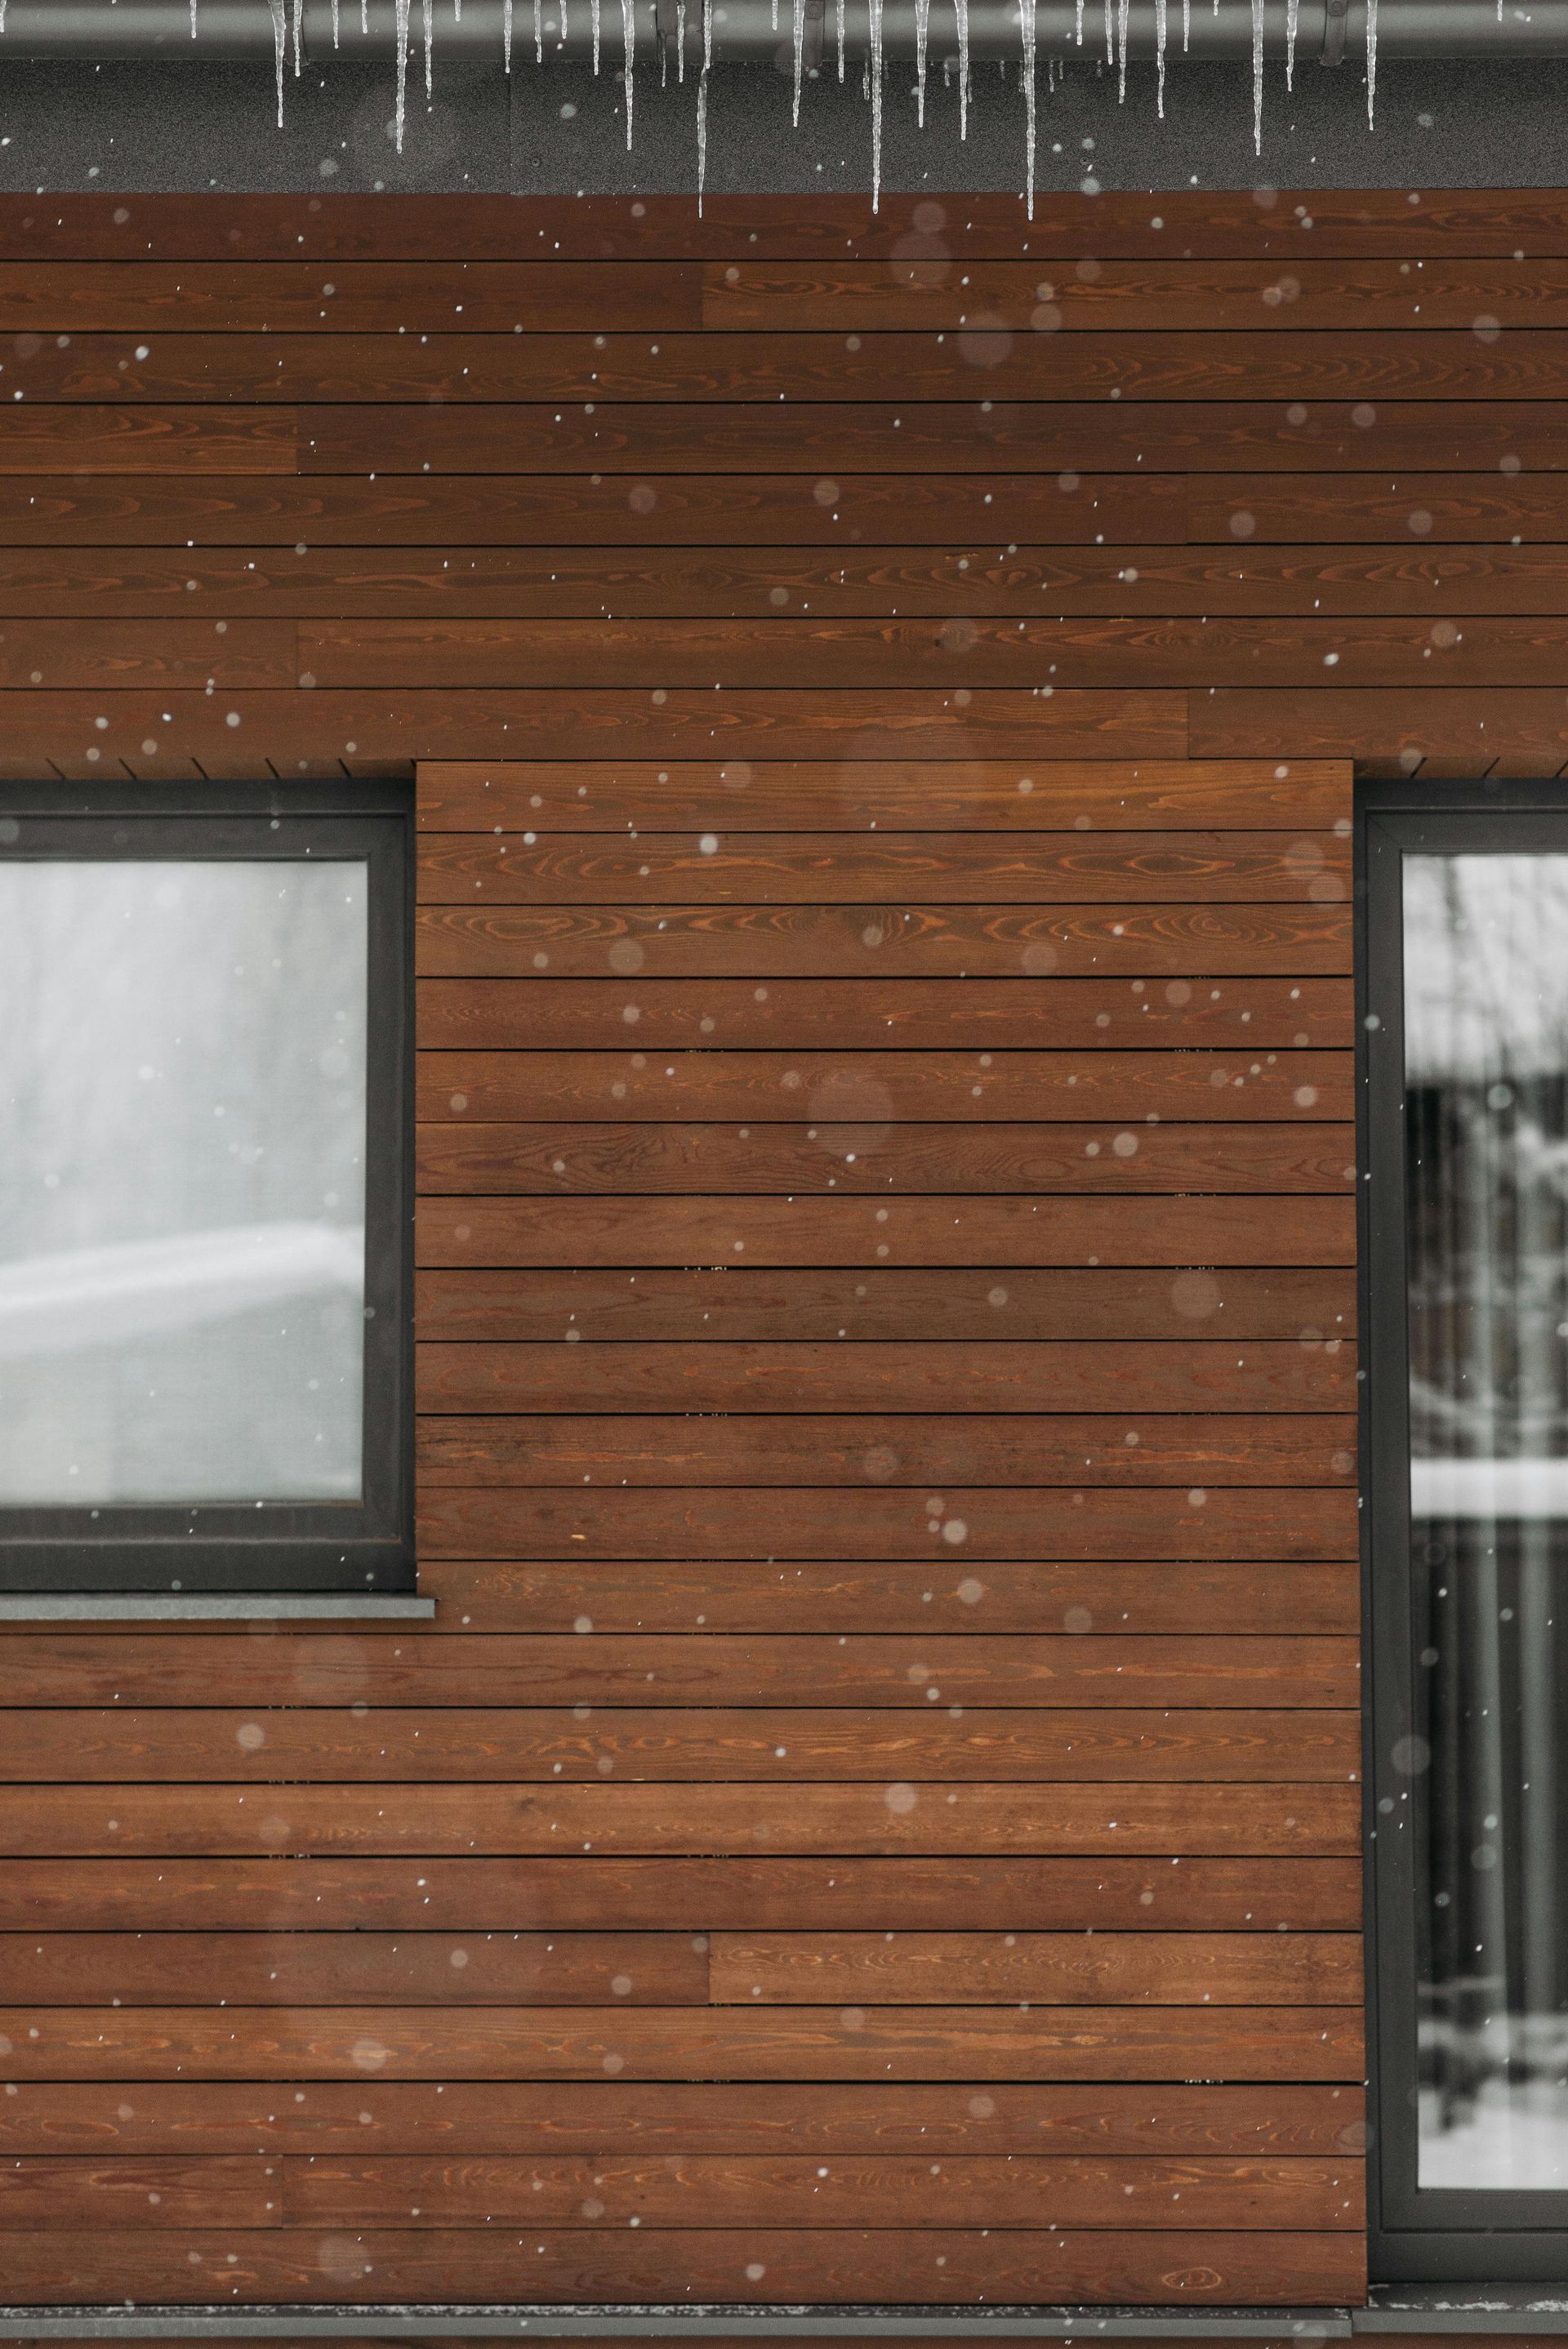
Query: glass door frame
{"type": "Point", "coordinates": [1415, 2233]}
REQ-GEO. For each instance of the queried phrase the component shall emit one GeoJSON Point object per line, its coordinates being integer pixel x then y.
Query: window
{"type": "Point", "coordinates": [1466, 1316]}
{"type": "Point", "coordinates": [203, 1191]}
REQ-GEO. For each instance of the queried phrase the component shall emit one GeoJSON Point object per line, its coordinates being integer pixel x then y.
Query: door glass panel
{"type": "Point", "coordinates": [1486, 1067]}
{"type": "Point", "coordinates": [182, 1089]}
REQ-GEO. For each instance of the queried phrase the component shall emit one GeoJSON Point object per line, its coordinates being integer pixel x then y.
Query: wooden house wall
{"type": "Point", "coordinates": [876, 1816]}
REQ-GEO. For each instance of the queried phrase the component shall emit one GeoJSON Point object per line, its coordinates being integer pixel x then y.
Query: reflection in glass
{"type": "Point", "coordinates": [182, 1082]}
{"type": "Point", "coordinates": [1486, 1053]}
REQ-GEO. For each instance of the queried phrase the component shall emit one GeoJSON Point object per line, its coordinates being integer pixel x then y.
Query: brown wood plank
{"type": "Point", "coordinates": [113, 653]}
{"type": "Point", "coordinates": [596, 1893]}
{"type": "Point", "coordinates": [476, 1744]}
{"type": "Point", "coordinates": [597, 795]}
{"type": "Point", "coordinates": [394, 724]}
{"type": "Point", "coordinates": [834, 2265]}
{"type": "Point", "coordinates": [892, 939]}
{"type": "Point", "coordinates": [506, 509]}
{"type": "Point", "coordinates": [1281, 1820]}
{"type": "Point", "coordinates": [371, 2119]}
{"type": "Point", "coordinates": [1062, 1969]}
{"type": "Point", "coordinates": [257, 297]}
{"type": "Point", "coordinates": [884, 342]}
{"type": "Point", "coordinates": [1292, 2044]}
{"type": "Point", "coordinates": [139, 1668]}
{"type": "Point", "coordinates": [881, 2190]}
{"type": "Point", "coordinates": [60, 2192]}
{"type": "Point", "coordinates": [915, 232]}
{"type": "Point", "coordinates": [826, 439]}
{"type": "Point", "coordinates": [303, 1970]}
{"type": "Point", "coordinates": [984, 1522]}
{"type": "Point", "coordinates": [951, 1230]}
{"type": "Point", "coordinates": [840, 1596]}
{"type": "Point", "coordinates": [1045, 869]}
{"type": "Point", "coordinates": [516, 1450]}
{"type": "Point", "coordinates": [1394, 730]}
{"type": "Point", "coordinates": [1072, 653]}
{"type": "Point", "coordinates": [800, 1015]}
{"type": "Point", "coordinates": [1240, 299]}
{"type": "Point", "coordinates": [172, 440]}
{"type": "Point", "coordinates": [1124, 1085]}
{"type": "Point", "coordinates": [862, 1154]}
{"type": "Point", "coordinates": [957, 1376]}
{"type": "Point", "coordinates": [1462, 507]}
{"type": "Point", "coordinates": [680, 1306]}
{"type": "Point", "coordinates": [56, 2192]}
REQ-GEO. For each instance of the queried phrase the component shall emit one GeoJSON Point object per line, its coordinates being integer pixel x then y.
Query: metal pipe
{"type": "Point", "coordinates": [105, 31]}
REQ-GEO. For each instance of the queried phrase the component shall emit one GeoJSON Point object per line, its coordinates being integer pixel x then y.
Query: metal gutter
{"type": "Point", "coordinates": [664, 2324]}
{"type": "Point", "coordinates": [107, 31]}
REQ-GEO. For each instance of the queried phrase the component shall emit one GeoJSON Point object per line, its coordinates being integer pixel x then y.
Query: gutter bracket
{"type": "Point", "coordinates": [1333, 16]}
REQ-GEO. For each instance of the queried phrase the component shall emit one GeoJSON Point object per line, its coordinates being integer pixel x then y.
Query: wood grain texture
{"type": "Point", "coordinates": [596, 1893]}
{"type": "Point", "coordinates": [765, 796]}
{"type": "Point", "coordinates": [371, 2120]}
{"type": "Point", "coordinates": [879, 1803]}
{"type": "Point", "coordinates": [568, 2043]}
{"type": "Point", "coordinates": [745, 1302]}
{"type": "Point", "coordinates": [950, 1229]}
{"type": "Point", "coordinates": [610, 1668]}
{"type": "Point", "coordinates": [888, 938]}
{"type": "Point", "coordinates": [828, 2264]}
{"type": "Point", "coordinates": [475, 1745]}
{"type": "Point", "coordinates": [955, 1376]}
{"type": "Point", "coordinates": [854, 1148]}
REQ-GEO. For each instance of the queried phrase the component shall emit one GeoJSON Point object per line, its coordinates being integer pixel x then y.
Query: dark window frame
{"type": "Point", "coordinates": [1415, 2234]}
{"type": "Point", "coordinates": [339, 1548]}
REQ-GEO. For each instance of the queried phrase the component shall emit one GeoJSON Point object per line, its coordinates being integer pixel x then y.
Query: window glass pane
{"type": "Point", "coordinates": [1486, 1051]}
{"type": "Point", "coordinates": [182, 1075]}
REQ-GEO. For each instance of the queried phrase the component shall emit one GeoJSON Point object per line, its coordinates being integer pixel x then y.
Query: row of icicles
{"type": "Point", "coordinates": [1116, 28]}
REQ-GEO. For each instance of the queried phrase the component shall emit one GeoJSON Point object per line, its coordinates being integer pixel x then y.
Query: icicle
{"type": "Point", "coordinates": [1121, 13]}
{"type": "Point", "coordinates": [298, 21]}
{"type": "Point", "coordinates": [1077, 24]}
{"type": "Point", "coordinates": [798, 15]}
{"type": "Point", "coordinates": [773, 13]}
{"type": "Point", "coordinates": [280, 34]}
{"type": "Point", "coordinates": [1186, 26]}
{"type": "Point", "coordinates": [922, 41]}
{"type": "Point", "coordinates": [1291, 18]}
{"type": "Point", "coordinates": [1159, 59]}
{"type": "Point", "coordinates": [401, 13]}
{"type": "Point", "coordinates": [961, 9]}
{"type": "Point", "coordinates": [702, 102]}
{"type": "Point", "coordinates": [1257, 77]}
{"type": "Point", "coordinates": [680, 39]}
{"type": "Point", "coordinates": [365, 16]}
{"type": "Point", "coordinates": [1371, 62]}
{"type": "Point", "coordinates": [1110, 35]}
{"type": "Point", "coordinates": [596, 15]}
{"type": "Point", "coordinates": [841, 43]}
{"type": "Point", "coordinates": [876, 66]}
{"type": "Point", "coordinates": [192, 18]}
{"type": "Point", "coordinates": [629, 38]}
{"type": "Point", "coordinates": [457, 12]}
{"type": "Point", "coordinates": [429, 47]}
{"type": "Point", "coordinates": [334, 21]}
{"type": "Point", "coordinates": [1027, 67]}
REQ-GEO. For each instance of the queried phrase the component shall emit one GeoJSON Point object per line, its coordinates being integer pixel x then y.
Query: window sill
{"type": "Point", "coordinates": [210, 1606]}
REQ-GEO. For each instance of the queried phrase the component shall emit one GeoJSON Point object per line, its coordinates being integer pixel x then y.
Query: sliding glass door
{"type": "Point", "coordinates": [1466, 1351]}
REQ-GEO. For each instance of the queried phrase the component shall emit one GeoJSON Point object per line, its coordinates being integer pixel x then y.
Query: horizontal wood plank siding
{"type": "Point", "coordinates": [877, 1814]}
